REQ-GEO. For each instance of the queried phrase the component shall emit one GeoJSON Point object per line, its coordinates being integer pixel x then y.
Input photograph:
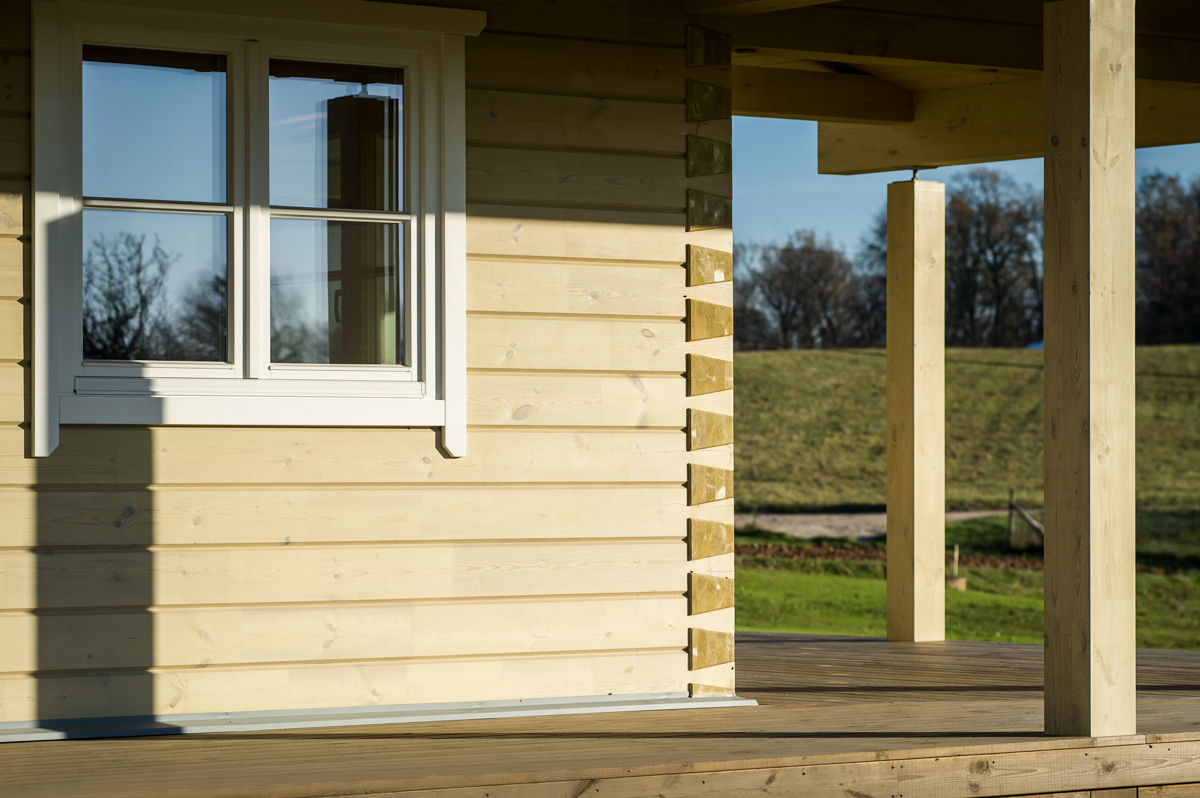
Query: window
{"type": "Point", "coordinates": [249, 222]}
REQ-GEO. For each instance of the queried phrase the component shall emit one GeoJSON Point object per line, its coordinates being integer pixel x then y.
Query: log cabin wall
{"type": "Point", "coordinates": [582, 547]}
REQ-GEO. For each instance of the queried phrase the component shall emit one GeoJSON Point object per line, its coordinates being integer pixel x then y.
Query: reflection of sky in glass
{"type": "Point", "coordinates": [335, 292]}
{"type": "Point", "coordinates": [195, 248]}
{"type": "Point", "coordinates": [299, 113]}
{"type": "Point", "coordinates": [153, 132]}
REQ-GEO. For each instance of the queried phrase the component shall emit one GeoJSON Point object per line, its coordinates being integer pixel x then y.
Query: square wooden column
{"type": "Point", "coordinates": [916, 411]}
{"type": "Point", "coordinates": [1089, 279]}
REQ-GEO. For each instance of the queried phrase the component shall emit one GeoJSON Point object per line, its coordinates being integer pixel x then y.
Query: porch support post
{"type": "Point", "coordinates": [1089, 356]}
{"type": "Point", "coordinates": [916, 418]}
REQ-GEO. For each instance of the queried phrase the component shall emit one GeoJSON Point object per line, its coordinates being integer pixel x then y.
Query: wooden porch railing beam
{"type": "Point", "coordinates": [1089, 355]}
{"type": "Point", "coordinates": [916, 416]}
{"type": "Point", "coordinates": [823, 96]}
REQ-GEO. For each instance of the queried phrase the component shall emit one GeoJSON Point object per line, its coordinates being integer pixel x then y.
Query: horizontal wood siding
{"type": "Point", "coordinates": [176, 569]}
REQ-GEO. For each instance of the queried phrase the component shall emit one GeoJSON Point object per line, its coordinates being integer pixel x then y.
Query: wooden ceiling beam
{"type": "Point", "coordinates": [857, 36]}
{"type": "Point", "coordinates": [996, 122]}
{"type": "Point", "coordinates": [823, 96]}
{"type": "Point", "coordinates": [740, 8]}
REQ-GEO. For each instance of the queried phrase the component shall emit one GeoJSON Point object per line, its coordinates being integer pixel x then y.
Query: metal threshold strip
{"type": "Point", "coordinates": [141, 726]}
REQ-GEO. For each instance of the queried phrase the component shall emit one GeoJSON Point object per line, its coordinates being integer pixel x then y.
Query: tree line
{"type": "Point", "coordinates": [807, 293]}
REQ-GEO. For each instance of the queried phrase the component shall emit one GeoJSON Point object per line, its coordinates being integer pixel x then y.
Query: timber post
{"type": "Point", "coordinates": [1089, 356]}
{"type": "Point", "coordinates": [916, 383]}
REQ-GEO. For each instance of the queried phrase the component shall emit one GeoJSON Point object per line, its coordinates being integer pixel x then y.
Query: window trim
{"type": "Point", "coordinates": [357, 396]}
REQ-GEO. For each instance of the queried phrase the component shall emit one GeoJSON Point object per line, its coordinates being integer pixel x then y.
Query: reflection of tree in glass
{"type": "Point", "coordinates": [125, 309]}
{"type": "Point", "coordinates": [202, 326]}
{"type": "Point", "coordinates": [293, 341]}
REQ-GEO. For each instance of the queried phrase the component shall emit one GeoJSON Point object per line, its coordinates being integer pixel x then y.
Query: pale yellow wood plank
{"type": "Point", "coordinates": [708, 538]}
{"type": "Point", "coordinates": [12, 205]}
{"type": "Point", "coordinates": [708, 320]}
{"type": "Point", "coordinates": [12, 393]}
{"type": "Point", "coordinates": [707, 48]}
{"type": "Point", "coordinates": [582, 344]}
{"type": "Point", "coordinates": [344, 684]}
{"type": "Point", "coordinates": [12, 267]}
{"type": "Point", "coordinates": [707, 648]}
{"type": "Point", "coordinates": [540, 399]}
{"type": "Point", "coordinates": [162, 455]}
{"type": "Point", "coordinates": [369, 572]}
{"type": "Point", "coordinates": [1090, 292]}
{"type": "Point", "coordinates": [12, 329]}
{"type": "Point", "coordinates": [574, 67]}
{"type": "Point", "coordinates": [709, 689]}
{"type": "Point", "coordinates": [14, 83]}
{"type": "Point", "coordinates": [737, 8]}
{"type": "Point", "coordinates": [708, 375]}
{"type": "Point", "coordinates": [552, 120]}
{"type": "Point", "coordinates": [643, 182]}
{"type": "Point", "coordinates": [706, 265]}
{"type": "Point", "coordinates": [719, 457]}
{"type": "Point", "coordinates": [705, 101]}
{"type": "Point", "coordinates": [15, 150]}
{"type": "Point", "coordinates": [708, 593]}
{"type": "Point", "coordinates": [707, 156]}
{"type": "Point", "coordinates": [821, 96]}
{"type": "Point", "coordinates": [706, 211]}
{"type": "Point", "coordinates": [575, 233]}
{"type": "Point", "coordinates": [1170, 791]}
{"type": "Point", "coordinates": [645, 21]}
{"type": "Point", "coordinates": [721, 566]}
{"type": "Point", "coordinates": [330, 514]}
{"type": "Point", "coordinates": [708, 484]}
{"type": "Point", "coordinates": [573, 288]}
{"type": "Point", "coordinates": [708, 429]}
{"type": "Point", "coordinates": [200, 636]}
{"type": "Point", "coordinates": [993, 122]}
{"type": "Point", "coordinates": [916, 415]}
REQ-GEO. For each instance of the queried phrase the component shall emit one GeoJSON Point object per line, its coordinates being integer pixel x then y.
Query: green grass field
{"type": "Point", "coordinates": [782, 594]}
{"type": "Point", "coordinates": [810, 428]}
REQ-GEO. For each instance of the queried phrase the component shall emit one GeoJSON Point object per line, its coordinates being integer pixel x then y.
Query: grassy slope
{"type": "Point", "coordinates": [999, 605]}
{"type": "Point", "coordinates": [781, 594]}
{"type": "Point", "coordinates": [810, 428]}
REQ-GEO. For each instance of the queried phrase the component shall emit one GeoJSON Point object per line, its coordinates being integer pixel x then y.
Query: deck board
{"type": "Point", "coordinates": [835, 708]}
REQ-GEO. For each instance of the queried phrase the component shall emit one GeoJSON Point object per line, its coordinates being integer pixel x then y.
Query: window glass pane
{"type": "Point", "coordinates": [153, 125]}
{"type": "Point", "coordinates": [337, 293]}
{"type": "Point", "coordinates": [336, 136]}
{"type": "Point", "coordinates": [154, 286]}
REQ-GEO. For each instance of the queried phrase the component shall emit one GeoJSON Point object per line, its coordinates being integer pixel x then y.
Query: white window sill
{"type": "Point", "coordinates": [256, 411]}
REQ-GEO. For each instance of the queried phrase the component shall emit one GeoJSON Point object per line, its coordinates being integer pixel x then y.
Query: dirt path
{"type": "Point", "coordinates": [856, 526]}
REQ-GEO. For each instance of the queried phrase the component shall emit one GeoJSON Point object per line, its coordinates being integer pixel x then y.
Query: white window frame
{"type": "Point", "coordinates": [249, 391]}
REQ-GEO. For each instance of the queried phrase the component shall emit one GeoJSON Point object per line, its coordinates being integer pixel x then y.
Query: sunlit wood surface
{"type": "Point", "coordinates": [834, 714]}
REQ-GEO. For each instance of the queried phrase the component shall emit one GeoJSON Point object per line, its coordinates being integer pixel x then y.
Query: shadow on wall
{"type": "Point", "coordinates": [95, 582]}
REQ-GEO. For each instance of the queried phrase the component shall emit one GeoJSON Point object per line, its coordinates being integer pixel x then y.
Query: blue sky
{"type": "Point", "coordinates": [777, 189]}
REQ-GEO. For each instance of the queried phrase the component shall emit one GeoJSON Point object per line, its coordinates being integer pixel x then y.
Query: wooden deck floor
{"type": "Point", "coordinates": [837, 716]}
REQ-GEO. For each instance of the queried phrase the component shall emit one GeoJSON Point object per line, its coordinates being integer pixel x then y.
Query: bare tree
{"type": "Point", "coordinates": [802, 293]}
{"type": "Point", "coordinates": [126, 311]}
{"type": "Point", "coordinates": [123, 284]}
{"type": "Point", "coordinates": [993, 261]}
{"type": "Point", "coordinates": [1168, 260]}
